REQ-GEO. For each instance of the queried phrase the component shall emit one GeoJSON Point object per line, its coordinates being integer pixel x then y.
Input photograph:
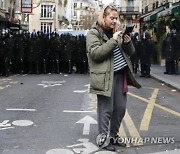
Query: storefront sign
{"type": "Point", "coordinates": [26, 6]}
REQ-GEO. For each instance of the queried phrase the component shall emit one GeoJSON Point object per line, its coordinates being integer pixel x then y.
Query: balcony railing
{"type": "Point", "coordinates": [129, 9]}
{"type": "Point", "coordinates": [46, 17]}
{"type": "Point", "coordinates": [48, 1]}
{"type": "Point", "coordinates": [167, 1]}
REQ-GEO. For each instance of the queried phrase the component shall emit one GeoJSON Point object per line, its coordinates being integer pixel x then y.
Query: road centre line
{"type": "Point", "coordinates": [131, 127]}
{"type": "Point", "coordinates": [157, 105]}
{"type": "Point", "coordinates": [1, 88]}
{"type": "Point", "coordinates": [17, 109]}
{"type": "Point", "coordinates": [148, 112]}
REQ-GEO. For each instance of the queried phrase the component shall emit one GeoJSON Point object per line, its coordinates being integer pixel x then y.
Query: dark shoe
{"type": "Point", "coordinates": [109, 147]}
{"type": "Point", "coordinates": [142, 75]}
{"type": "Point", "coordinates": [117, 141]}
{"type": "Point", "coordinates": [148, 76]}
{"type": "Point", "coordinates": [170, 73]}
{"type": "Point", "coordinates": [22, 72]}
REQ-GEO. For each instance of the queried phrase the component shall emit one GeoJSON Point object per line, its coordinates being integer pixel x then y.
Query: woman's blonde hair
{"type": "Point", "coordinates": [105, 12]}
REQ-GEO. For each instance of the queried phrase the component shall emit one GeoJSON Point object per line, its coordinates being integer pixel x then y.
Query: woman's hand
{"type": "Point", "coordinates": [126, 38]}
{"type": "Point", "coordinates": [117, 34]}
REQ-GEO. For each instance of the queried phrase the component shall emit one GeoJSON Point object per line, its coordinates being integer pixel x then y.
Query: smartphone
{"type": "Point", "coordinates": [128, 30]}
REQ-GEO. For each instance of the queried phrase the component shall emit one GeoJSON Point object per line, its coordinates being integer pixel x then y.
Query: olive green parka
{"type": "Point", "coordinates": [101, 62]}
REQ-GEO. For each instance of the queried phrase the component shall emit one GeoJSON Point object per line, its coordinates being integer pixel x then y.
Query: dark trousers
{"type": "Point", "coordinates": [111, 110]}
{"type": "Point", "coordinates": [171, 67]}
{"type": "Point", "coordinates": [145, 69]}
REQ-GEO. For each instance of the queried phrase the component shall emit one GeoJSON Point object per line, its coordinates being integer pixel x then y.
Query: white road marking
{"type": "Point", "coordinates": [85, 147]}
{"type": "Point", "coordinates": [70, 111]}
{"type": "Point", "coordinates": [6, 128]}
{"type": "Point", "coordinates": [59, 151]}
{"type": "Point", "coordinates": [17, 109]}
{"type": "Point", "coordinates": [5, 123]}
{"type": "Point", "coordinates": [87, 85]}
{"type": "Point", "coordinates": [22, 123]}
{"type": "Point", "coordinates": [46, 84]}
{"type": "Point", "coordinates": [87, 121]}
{"type": "Point", "coordinates": [40, 84]}
{"type": "Point", "coordinates": [105, 152]}
{"type": "Point", "coordinates": [80, 91]}
{"type": "Point", "coordinates": [53, 82]}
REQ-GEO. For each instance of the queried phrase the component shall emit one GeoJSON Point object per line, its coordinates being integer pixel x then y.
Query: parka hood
{"type": "Point", "coordinates": [95, 25]}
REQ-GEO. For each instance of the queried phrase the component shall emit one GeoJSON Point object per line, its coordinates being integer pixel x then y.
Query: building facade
{"type": "Point", "coordinates": [85, 13]}
{"type": "Point", "coordinates": [8, 18]}
{"type": "Point", "coordinates": [129, 12]}
{"type": "Point", "coordinates": [51, 15]}
{"type": "Point", "coordinates": [151, 5]}
{"type": "Point", "coordinates": [47, 15]}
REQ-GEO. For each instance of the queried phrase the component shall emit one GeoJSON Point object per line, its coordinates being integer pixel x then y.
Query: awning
{"type": "Point", "coordinates": [176, 10]}
{"type": "Point", "coordinates": [145, 15]}
{"type": "Point", "coordinates": [153, 15]}
{"type": "Point", "coordinates": [169, 11]}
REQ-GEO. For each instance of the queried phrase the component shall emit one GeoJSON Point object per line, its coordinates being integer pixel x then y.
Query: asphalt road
{"type": "Point", "coordinates": [55, 114]}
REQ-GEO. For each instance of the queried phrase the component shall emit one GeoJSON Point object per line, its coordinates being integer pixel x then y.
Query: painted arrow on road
{"type": "Point", "coordinates": [5, 123]}
{"type": "Point", "coordinates": [87, 121]}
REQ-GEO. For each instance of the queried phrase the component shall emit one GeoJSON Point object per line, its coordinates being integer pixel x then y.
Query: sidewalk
{"type": "Point", "coordinates": [157, 72]}
{"type": "Point", "coordinates": [177, 151]}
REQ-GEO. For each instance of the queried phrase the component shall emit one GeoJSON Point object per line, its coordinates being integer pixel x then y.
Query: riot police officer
{"type": "Point", "coordinates": [82, 62]}
{"type": "Point", "coordinates": [145, 55]}
{"type": "Point", "coordinates": [6, 53]}
{"type": "Point", "coordinates": [55, 48]}
{"type": "Point", "coordinates": [135, 57]}
{"type": "Point", "coordinates": [19, 51]}
{"type": "Point", "coordinates": [170, 51]}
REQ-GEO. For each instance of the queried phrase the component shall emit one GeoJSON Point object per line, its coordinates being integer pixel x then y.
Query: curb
{"type": "Point", "coordinates": [153, 76]}
{"type": "Point", "coordinates": [176, 151]}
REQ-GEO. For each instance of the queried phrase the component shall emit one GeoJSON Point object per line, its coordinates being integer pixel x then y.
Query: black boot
{"type": "Point", "coordinates": [21, 66]}
{"type": "Point", "coordinates": [118, 141]}
{"type": "Point", "coordinates": [176, 67]}
{"type": "Point", "coordinates": [44, 66]}
{"type": "Point", "coordinates": [70, 67]}
{"type": "Point", "coordinates": [6, 64]}
{"type": "Point", "coordinates": [136, 68]}
{"type": "Point", "coordinates": [53, 67]}
{"type": "Point", "coordinates": [109, 147]}
{"type": "Point", "coordinates": [30, 68]}
{"type": "Point", "coordinates": [133, 66]}
{"type": "Point", "coordinates": [57, 66]}
{"type": "Point", "coordinates": [167, 68]}
{"type": "Point", "coordinates": [37, 67]}
{"type": "Point", "coordinates": [143, 72]}
{"type": "Point", "coordinates": [148, 71]}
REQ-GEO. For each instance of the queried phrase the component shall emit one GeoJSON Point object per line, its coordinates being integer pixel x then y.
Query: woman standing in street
{"type": "Point", "coordinates": [110, 73]}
